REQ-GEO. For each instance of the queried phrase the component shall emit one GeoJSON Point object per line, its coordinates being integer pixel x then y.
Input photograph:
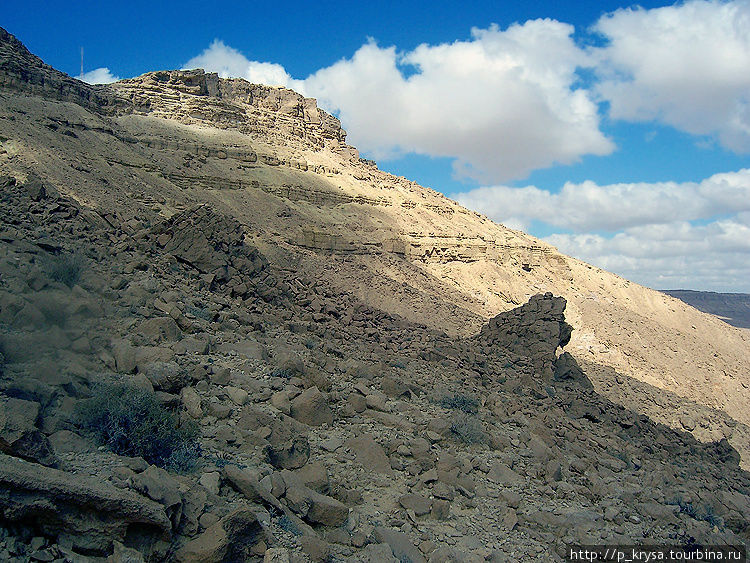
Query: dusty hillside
{"type": "Point", "coordinates": [148, 147]}
{"type": "Point", "coordinates": [223, 337]}
{"type": "Point", "coordinates": [732, 308]}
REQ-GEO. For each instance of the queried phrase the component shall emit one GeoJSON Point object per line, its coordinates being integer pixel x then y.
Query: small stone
{"type": "Point", "coordinates": [280, 400]}
{"type": "Point", "coordinates": [311, 408]}
{"type": "Point", "coordinates": [359, 539]}
{"type": "Point", "coordinates": [191, 400]}
{"type": "Point", "coordinates": [357, 402]}
{"type": "Point", "coordinates": [315, 548]}
{"type": "Point", "coordinates": [370, 454]}
{"type": "Point", "coordinates": [376, 401]}
{"type": "Point", "coordinates": [276, 555]}
{"type": "Point", "coordinates": [433, 437]}
{"type": "Point", "coordinates": [440, 509]}
{"type": "Point", "coordinates": [221, 375]}
{"type": "Point", "coordinates": [208, 519]}
{"type": "Point", "coordinates": [236, 395]}
{"type": "Point", "coordinates": [419, 504]}
{"type": "Point", "coordinates": [332, 444]}
{"type": "Point", "coordinates": [502, 474]}
{"type": "Point", "coordinates": [211, 481]}
{"type": "Point", "coordinates": [512, 498]}
{"type": "Point", "coordinates": [510, 519]}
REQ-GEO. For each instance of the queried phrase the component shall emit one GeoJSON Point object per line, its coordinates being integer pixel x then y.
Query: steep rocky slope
{"type": "Point", "coordinates": [154, 145]}
{"type": "Point", "coordinates": [327, 326]}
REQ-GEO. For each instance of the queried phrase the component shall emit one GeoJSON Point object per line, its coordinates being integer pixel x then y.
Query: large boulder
{"type": "Point", "coordinates": [401, 546]}
{"type": "Point", "coordinates": [230, 539]}
{"type": "Point", "coordinates": [19, 435]}
{"type": "Point", "coordinates": [157, 484]}
{"type": "Point", "coordinates": [82, 511]}
{"type": "Point", "coordinates": [534, 331]}
{"type": "Point", "coordinates": [311, 407]}
{"type": "Point", "coordinates": [312, 506]}
{"type": "Point", "coordinates": [370, 454]}
{"type": "Point", "coordinates": [291, 454]}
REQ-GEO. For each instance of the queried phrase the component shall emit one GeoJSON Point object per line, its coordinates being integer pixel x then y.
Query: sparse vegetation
{"type": "Point", "coordinates": [200, 312]}
{"type": "Point", "coordinates": [707, 514]}
{"type": "Point", "coordinates": [132, 422]}
{"type": "Point", "coordinates": [687, 508]}
{"type": "Point", "coordinates": [460, 402]}
{"type": "Point", "coordinates": [711, 517]}
{"type": "Point", "coordinates": [64, 268]}
{"type": "Point", "coordinates": [284, 373]}
{"type": "Point", "coordinates": [286, 524]}
{"type": "Point", "coordinates": [469, 430]}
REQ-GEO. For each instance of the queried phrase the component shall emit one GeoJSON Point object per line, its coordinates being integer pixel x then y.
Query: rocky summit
{"type": "Point", "coordinates": [226, 337]}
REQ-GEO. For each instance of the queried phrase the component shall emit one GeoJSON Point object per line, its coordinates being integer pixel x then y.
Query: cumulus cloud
{"type": "Point", "coordinates": [230, 63]}
{"type": "Point", "coordinates": [502, 104]}
{"type": "Point", "coordinates": [590, 207]}
{"type": "Point", "coordinates": [666, 235]}
{"type": "Point", "coordinates": [98, 76]}
{"type": "Point", "coordinates": [679, 255]}
{"type": "Point", "coordinates": [509, 101]}
{"type": "Point", "coordinates": [686, 65]}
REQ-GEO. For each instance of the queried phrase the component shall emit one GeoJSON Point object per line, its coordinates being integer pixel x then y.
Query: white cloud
{"type": "Point", "coordinates": [666, 235]}
{"type": "Point", "coordinates": [98, 76]}
{"type": "Point", "coordinates": [502, 104]}
{"type": "Point", "coordinates": [686, 65]}
{"type": "Point", "coordinates": [230, 63]}
{"type": "Point", "coordinates": [714, 257]}
{"type": "Point", "coordinates": [506, 102]}
{"type": "Point", "coordinates": [591, 207]}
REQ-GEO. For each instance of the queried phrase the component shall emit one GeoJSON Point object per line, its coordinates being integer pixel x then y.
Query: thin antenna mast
{"type": "Point", "coordinates": [81, 61]}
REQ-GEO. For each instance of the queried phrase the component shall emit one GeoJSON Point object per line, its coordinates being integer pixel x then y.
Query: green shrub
{"type": "Point", "coordinates": [283, 373]}
{"type": "Point", "coordinates": [64, 268]}
{"type": "Point", "coordinates": [460, 402]}
{"type": "Point", "coordinates": [132, 422]}
{"type": "Point", "coordinates": [469, 430]}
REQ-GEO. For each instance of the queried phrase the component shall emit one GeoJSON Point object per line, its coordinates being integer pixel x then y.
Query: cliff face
{"type": "Point", "coordinates": [194, 97]}
{"type": "Point", "coordinates": [144, 149]}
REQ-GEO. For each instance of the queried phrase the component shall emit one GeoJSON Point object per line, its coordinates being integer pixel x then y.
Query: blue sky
{"type": "Point", "coordinates": [619, 134]}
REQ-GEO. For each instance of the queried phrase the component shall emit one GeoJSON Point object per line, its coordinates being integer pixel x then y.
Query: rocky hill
{"type": "Point", "coordinates": [226, 337]}
{"type": "Point", "coordinates": [734, 308]}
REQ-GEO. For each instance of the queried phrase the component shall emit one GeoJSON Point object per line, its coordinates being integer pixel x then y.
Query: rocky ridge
{"type": "Point", "coordinates": [330, 428]}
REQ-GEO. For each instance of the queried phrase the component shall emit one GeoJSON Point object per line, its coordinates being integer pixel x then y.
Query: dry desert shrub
{"type": "Point", "coordinates": [64, 268]}
{"type": "Point", "coordinates": [132, 422]}
{"type": "Point", "coordinates": [469, 430]}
